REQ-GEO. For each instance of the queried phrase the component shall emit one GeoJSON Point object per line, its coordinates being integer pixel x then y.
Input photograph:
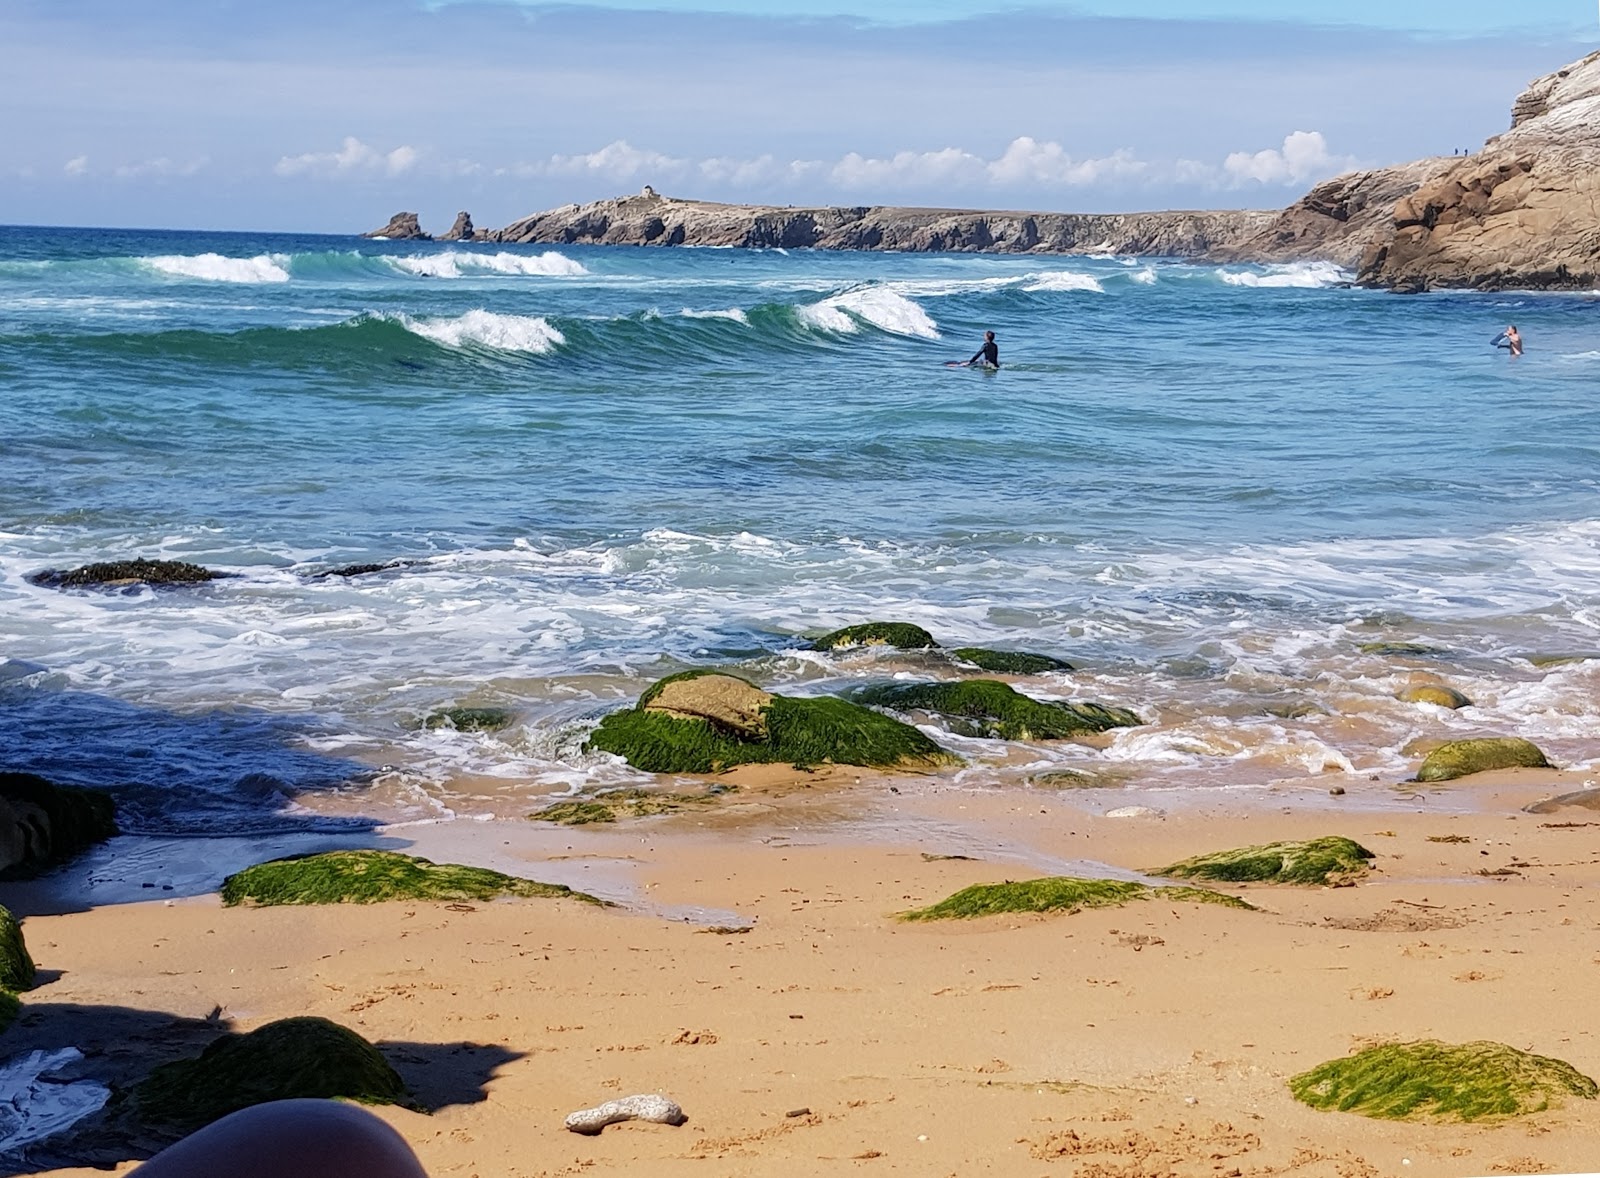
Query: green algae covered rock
{"type": "Point", "coordinates": [624, 803]}
{"type": "Point", "coordinates": [1009, 662]}
{"type": "Point", "coordinates": [43, 825]}
{"type": "Point", "coordinates": [1433, 1081]}
{"type": "Point", "coordinates": [1437, 694]}
{"type": "Point", "coordinates": [293, 1058]}
{"type": "Point", "coordinates": [799, 732]}
{"type": "Point", "coordinates": [987, 707]}
{"type": "Point", "coordinates": [1317, 861]}
{"type": "Point", "coordinates": [900, 635]}
{"type": "Point", "coordinates": [471, 719]}
{"type": "Point", "coordinates": [16, 964]}
{"type": "Point", "coordinates": [10, 1007]}
{"type": "Point", "coordinates": [1461, 758]}
{"type": "Point", "coordinates": [116, 574]}
{"type": "Point", "coordinates": [1413, 650]}
{"type": "Point", "coordinates": [1058, 893]}
{"type": "Point", "coordinates": [373, 877]}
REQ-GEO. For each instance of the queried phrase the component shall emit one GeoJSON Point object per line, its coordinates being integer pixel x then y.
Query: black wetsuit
{"type": "Point", "coordinates": [990, 353]}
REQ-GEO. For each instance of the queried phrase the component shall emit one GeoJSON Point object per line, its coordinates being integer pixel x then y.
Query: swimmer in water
{"type": "Point", "coordinates": [1510, 339]}
{"type": "Point", "coordinates": [989, 354]}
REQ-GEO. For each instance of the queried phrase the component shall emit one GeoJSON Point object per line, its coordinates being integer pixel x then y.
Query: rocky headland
{"type": "Point", "coordinates": [1522, 213]}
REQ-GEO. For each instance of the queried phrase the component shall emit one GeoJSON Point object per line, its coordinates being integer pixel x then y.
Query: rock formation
{"type": "Point", "coordinates": [1522, 213]}
{"type": "Point", "coordinates": [401, 227]}
{"type": "Point", "coordinates": [462, 230]}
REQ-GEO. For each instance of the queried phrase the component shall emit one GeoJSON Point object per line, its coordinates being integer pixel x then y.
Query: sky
{"type": "Point", "coordinates": [304, 115]}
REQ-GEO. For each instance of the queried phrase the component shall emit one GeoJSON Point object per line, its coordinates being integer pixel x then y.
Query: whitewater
{"type": "Point", "coordinates": [1252, 503]}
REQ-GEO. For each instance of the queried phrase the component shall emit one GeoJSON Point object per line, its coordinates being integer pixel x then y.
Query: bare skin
{"type": "Point", "coordinates": [289, 1139]}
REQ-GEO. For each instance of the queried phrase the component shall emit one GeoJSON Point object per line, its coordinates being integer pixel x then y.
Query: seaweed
{"type": "Point", "coordinates": [800, 732]}
{"type": "Point", "coordinates": [126, 572]}
{"type": "Point", "coordinates": [987, 707]}
{"type": "Point", "coordinates": [373, 877]}
{"type": "Point", "coordinates": [284, 1060]}
{"type": "Point", "coordinates": [16, 964]}
{"type": "Point", "coordinates": [1461, 758]}
{"type": "Point", "coordinates": [1057, 893]}
{"type": "Point", "coordinates": [1009, 662]}
{"type": "Point", "coordinates": [471, 719]}
{"type": "Point", "coordinates": [1316, 861]}
{"type": "Point", "coordinates": [1433, 1081]}
{"type": "Point", "coordinates": [1437, 694]}
{"type": "Point", "coordinates": [1402, 649]}
{"type": "Point", "coordinates": [622, 803]}
{"type": "Point", "coordinates": [901, 635]}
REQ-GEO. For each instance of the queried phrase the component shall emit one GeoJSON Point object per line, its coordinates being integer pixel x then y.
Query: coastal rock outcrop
{"type": "Point", "coordinates": [120, 574]}
{"type": "Point", "coordinates": [462, 230]}
{"type": "Point", "coordinates": [1522, 213]}
{"type": "Point", "coordinates": [401, 227]}
{"type": "Point", "coordinates": [43, 825]}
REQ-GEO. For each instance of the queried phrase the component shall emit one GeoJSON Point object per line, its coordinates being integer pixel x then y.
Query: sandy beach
{"type": "Point", "coordinates": [808, 1031]}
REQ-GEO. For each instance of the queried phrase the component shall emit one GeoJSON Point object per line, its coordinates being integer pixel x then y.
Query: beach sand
{"type": "Point", "coordinates": [826, 1037]}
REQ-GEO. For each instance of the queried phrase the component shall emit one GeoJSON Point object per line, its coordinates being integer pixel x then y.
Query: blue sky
{"type": "Point", "coordinates": [306, 115]}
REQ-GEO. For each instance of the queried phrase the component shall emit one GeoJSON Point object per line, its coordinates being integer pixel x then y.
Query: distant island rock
{"type": "Point", "coordinates": [1522, 213]}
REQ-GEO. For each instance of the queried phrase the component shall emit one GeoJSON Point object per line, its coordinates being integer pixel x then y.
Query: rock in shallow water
{"type": "Point", "coordinates": [900, 635]}
{"type": "Point", "coordinates": [43, 825]}
{"type": "Point", "coordinates": [1437, 694]}
{"type": "Point", "coordinates": [1461, 758]}
{"type": "Point", "coordinates": [117, 574]}
{"type": "Point", "coordinates": [726, 701]}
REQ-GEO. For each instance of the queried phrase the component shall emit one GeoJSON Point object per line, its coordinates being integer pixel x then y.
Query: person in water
{"type": "Point", "coordinates": [989, 353]}
{"type": "Point", "coordinates": [1510, 339]}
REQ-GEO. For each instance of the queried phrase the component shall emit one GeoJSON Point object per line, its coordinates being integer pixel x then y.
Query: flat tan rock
{"type": "Point", "coordinates": [724, 700]}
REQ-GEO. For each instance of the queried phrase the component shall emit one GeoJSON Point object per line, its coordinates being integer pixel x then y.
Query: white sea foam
{"type": "Point", "coordinates": [217, 268]}
{"type": "Point", "coordinates": [1299, 275]}
{"type": "Point", "coordinates": [466, 264]}
{"type": "Point", "coordinates": [506, 333]}
{"type": "Point", "coordinates": [1145, 277]}
{"type": "Point", "coordinates": [1063, 280]}
{"type": "Point", "coordinates": [733, 314]}
{"type": "Point", "coordinates": [1581, 356]}
{"type": "Point", "coordinates": [884, 308]}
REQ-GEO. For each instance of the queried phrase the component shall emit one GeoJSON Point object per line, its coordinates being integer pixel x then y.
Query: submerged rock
{"type": "Point", "coordinates": [44, 825]}
{"type": "Point", "coordinates": [900, 635]}
{"type": "Point", "coordinates": [374, 877]}
{"type": "Point", "coordinates": [471, 719]}
{"type": "Point", "coordinates": [1433, 1081]}
{"type": "Point", "coordinates": [987, 707]}
{"type": "Point", "coordinates": [293, 1058]}
{"type": "Point", "coordinates": [1009, 662]}
{"type": "Point", "coordinates": [1316, 861]}
{"type": "Point", "coordinates": [362, 570]}
{"type": "Point", "coordinates": [1057, 894]}
{"type": "Point", "coordinates": [799, 732]}
{"type": "Point", "coordinates": [1418, 650]}
{"type": "Point", "coordinates": [725, 701]}
{"type": "Point", "coordinates": [1461, 758]}
{"type": "Point", "coordinates": [16, 964]}
{"type": "Point", "coordinates": [1437, 694]}
{"type": "Point", "coordinates": [401, 227]}
{"type": "Point", "coordinates": [116, 574]}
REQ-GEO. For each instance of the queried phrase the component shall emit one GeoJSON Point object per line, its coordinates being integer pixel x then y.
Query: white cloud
{"type": "Point", "coordinates": [619, 161]}
{"type": "Point", "coordinates": [161, 166]}
{"type": "Point", "coordinates": [354, 156]}
{"type": "Point", "coordinates": [1304, 157]}
{"type": "Point", "coordinates": [1027, 161]}
{"type": "Point", "coordinates": [77, 165]}
{"type": "Point", "coordinates": [907, 167]}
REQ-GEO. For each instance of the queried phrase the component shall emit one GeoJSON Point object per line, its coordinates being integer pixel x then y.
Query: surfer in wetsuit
{"type": "Point", "coordinates": [1510, 339]}
{"type": "Point", "coordinates": [989, 353]}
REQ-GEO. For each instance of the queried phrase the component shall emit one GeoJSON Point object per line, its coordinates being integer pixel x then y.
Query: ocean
{"type": "Point", "coordinates": [1251, 503]}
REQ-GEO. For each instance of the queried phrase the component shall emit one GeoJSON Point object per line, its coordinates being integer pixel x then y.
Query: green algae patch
{"type": "Point", "coordinates": [304, 1057]}
{"type": "Point", "coordinates": [1009, 662]}
{"type": "Point", "coordinates": [817, 731]}
{"type": "Point", "coordinates": [1437, 694]}
{"type": "Point", "coordinates": [900, 635]}
{"type": "Point", "coordinates": [375, 877]}
{"type": "Point", "coordinates": [1413, 650]}
{"type": "Point", "coordinates": [624, 803]}
{"type": "Point", "coordinates": [10, 1007]}
{"type": "Point", "coordinates": [987, 707]}
{"type": "Point", "coordinates": [16, 964]}
{"type": "Point", "coordinates": [471, 719]}
{"type": "Point", "coordinates": [1058, 893]}
{"type": "Point", "coordinates": [1317, 861]}
{"type": "Point", "coordinates": [1433, 1081]}
{"type": "Point", "coordinates": [1462, 758]}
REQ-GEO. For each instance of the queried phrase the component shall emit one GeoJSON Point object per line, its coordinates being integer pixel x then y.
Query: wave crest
{"type": "Point", "coordinates": [462, 264]}
{"type": "Point", "coordinates": [488, 329]}
{"type": "Point", "coordinates": [885, 309]}
{"type": "Point", "coordinates": [219, 268]}
{"type": "Point", "coordinates": [1298, 275]}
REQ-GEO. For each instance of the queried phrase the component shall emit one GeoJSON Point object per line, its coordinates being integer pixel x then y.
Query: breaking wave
{"type": "Point", "coordinates": [463, 264]}
{"type": "Point", "coordinates": [1298, 275]}
{"type": "Point", "coordinates": [220, 268]}
{"type": "Point", "coordinates": [505, 333]}
{"type": "Point", "coordinates": [879, 306]}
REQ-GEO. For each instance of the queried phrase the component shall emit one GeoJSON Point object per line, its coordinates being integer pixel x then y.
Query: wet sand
{"type": "Point", "coordinates": [757, 975]}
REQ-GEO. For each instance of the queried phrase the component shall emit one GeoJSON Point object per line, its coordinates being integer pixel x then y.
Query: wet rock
{"type": "Point", "coordinates": [375, 877]}
{"type": "Point", "coordinates": [118, 574]}
{"type": "Point", "coordinates": [1315, 861]}
{"type": "Point", "coordinates": [626, 803]}
{"type": "Point", "coordinates": [44, 825]}
{"type": "Point", "coordinates": [1461, 758]}
{"type": "Point", "coordinates": [472, 719]}
{"type": "Point", "coordinates": [1009, 662]}
{"type": "Point", "coordinates": [989, 708]}
{"type": "Point", "coordinates": [16, 965]}
{"type": "Point", "coordinates": [725, 701]}
{"type": "Point", "coordinates": [363, 570]}
{"type": "Point", "coordinates": [900, 635]}
{"type": "Point", "coordinates": [1437, 694]}
{"type": "Point", "coordinates": [401, 227]}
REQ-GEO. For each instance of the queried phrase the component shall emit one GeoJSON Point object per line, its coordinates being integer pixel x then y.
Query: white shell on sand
{"type": "Point", "coordinates": [630, 1108]}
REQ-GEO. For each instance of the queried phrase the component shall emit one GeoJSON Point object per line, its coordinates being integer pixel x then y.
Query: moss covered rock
{"type": "Point", "coordinates": [1435, 693]}
{"type": "Point", "coordinates": [624, 803]}
{"type": "Point", "coordinates": [10, 1007]}
{"type": "Point", "coordinates": [1316, 861]}
{"type": "Point", "coordinates": [116, 574]}
{"type": "Point", "coordinates": [1058, 893]}
{"type": "Point", "coordinates": [799, 732]}
{"type": "Point", "coordinates": [987, 707]}
{"type": "Point", "coordinates": [1433, 1081]}
{"type": "Point", "coordinates": [900, 635]}
{"type": "Point", "coordinates": [16, 965]}
{"type": "Point", "coordinates": [43, 825]}
{"type": "Point", "coordinates": [1413, 650]}
{"type": "Point", "coordinates": [373, 877]}
{"type": "Point", "coordinates": [471, 719]}
{"type": "Point", "coordinates": [1009, 662]}
{"type": "Point", "coordinates": [1461, 758]}
{"type": "Point", "coordinates": [293, 1058]}
{"type": "Point", "coordinates": [727, 702]}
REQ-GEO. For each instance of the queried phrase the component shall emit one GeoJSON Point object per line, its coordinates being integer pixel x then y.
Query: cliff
{"type": "Point", "coordinates": [401, 227]}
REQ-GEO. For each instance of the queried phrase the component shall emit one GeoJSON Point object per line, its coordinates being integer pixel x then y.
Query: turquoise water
{"type": "Point", "coordinates": [1208, 487]}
